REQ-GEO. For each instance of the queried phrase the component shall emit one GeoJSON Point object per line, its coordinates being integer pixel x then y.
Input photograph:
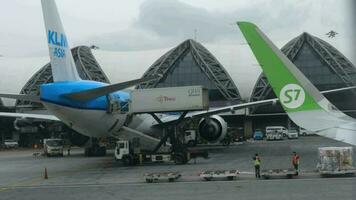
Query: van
{"type": "Point", "coordinates": [280, 129]}
{"type": "Point", "coordinates": [305, 132]}
{"type": "Point", "coordinates": [275, 132]}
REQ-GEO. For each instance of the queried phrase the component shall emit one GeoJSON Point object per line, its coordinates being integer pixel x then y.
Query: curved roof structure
{"type": "Point", "coordinates": [322, 64]}
{"type": "Point", "coordinates": [190, 63]}
{"type": "Point", "coordinates": [88, 69]}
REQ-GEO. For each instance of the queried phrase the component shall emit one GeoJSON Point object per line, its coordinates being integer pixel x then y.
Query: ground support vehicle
{"type": "Point", "coordinates": [277, 173]}
{"type": "Point", "coordinates": [228, 174]}
{"type": "Point", "coordinates": [130, 153]}
{"type": "Point", "coordinates": [160, 176]}
{"type": "Point", "coordinates": [53, 147]}
{"type": "Point", "coordinates": [335, 161]}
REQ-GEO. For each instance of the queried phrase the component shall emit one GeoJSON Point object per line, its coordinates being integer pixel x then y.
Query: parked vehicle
{"type": "Point", "coordinates": [275, 135]}
{"type": "Point", "coordinates": [305, 132]}
{"type": "Point", "coordinates": [9, 144]}
{"type": "Point", "coordinates": [292, 134]}
{"type": "Point", "coordinates": [275, 132]}
{"type": "Point", "coordinates": [280, 129]}
{"type": "Point", "coordinates": [258, 135]}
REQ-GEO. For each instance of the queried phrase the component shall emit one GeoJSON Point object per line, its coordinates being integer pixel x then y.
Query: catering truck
{"type": "Point", "coordinates": [174, 99]}
{"type": "Point", "coordinates": [53, 147]}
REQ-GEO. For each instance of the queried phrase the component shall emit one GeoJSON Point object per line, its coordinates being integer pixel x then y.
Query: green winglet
{"type": "Point", "coordinates": [294, 91]}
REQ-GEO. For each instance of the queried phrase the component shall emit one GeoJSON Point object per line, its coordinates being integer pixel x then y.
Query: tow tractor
{"type": "Point", "coordinates": [130, 153]}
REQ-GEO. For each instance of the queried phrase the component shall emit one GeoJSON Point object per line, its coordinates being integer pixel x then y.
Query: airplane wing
{"type": "Point", "coordinates": [23, 97]}
{"type": "Point", "coordinates": [28, 115]}
{"type": "Point", "coordinates": [173, 118]}
{"type": "Point", "coordinates": [102, 91]}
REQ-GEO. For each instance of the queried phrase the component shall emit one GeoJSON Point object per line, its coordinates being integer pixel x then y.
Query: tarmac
{"type": "Point", "coordinates": [79, 177]}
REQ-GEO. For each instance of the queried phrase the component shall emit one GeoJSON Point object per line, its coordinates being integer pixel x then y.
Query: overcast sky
{"type": "Point", "coordinates": [148, 24]}
{"type": "Point", "coordinates": [135, 27]}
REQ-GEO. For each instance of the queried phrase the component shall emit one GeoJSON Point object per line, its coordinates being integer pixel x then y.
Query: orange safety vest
{"type": "Point", "coordinates": [295, 160]}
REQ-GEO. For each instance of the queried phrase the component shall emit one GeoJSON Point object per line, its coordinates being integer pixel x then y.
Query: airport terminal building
{"type": "Point", "coordinates": [190, 63]}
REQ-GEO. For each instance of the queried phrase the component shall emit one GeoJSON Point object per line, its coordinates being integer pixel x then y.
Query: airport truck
{"type": "Point", "coordinates": [53, 147]}
{"type": "Point", "coordinates": [130, 153]}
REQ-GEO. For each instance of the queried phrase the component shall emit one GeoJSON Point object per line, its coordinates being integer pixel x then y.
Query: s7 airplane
{"type": "Point", "coordinates": [300, 99]}
{"type": "Point", "coordinates": [96, 109]}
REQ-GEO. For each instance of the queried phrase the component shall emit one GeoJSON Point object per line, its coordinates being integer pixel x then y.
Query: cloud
{"type": "Point", "coordinates": [163, 23]}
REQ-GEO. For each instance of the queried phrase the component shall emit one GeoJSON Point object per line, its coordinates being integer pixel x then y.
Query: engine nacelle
{"type": "Point", "coordinates": [22, 122]}
{"type": "Point", "coordinates": [212, 129]}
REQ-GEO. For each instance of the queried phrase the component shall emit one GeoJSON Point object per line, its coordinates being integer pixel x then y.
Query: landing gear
{"type": "Point", "coordinates": [94, 149]}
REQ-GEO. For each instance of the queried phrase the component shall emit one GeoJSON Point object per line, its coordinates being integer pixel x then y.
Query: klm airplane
{"type": "Point", "coordinates": [96, 109]}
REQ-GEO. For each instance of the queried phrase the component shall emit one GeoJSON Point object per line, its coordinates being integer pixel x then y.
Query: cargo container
{"type": "Point", "coordinates": [170, 99]}
{"type": "Point", "coordinates": [335, 160]}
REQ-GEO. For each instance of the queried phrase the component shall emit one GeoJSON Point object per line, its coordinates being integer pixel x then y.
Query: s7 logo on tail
{"type": "Point", "coordinates": [292, 96]}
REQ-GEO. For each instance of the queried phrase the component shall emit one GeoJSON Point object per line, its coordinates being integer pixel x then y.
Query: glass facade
{"type": "Point", "coordinates": [190, 63]}
{"type": "Point", "coordinates": [316, 70]}
{"type": "Point", "coordinates": [186, 72]}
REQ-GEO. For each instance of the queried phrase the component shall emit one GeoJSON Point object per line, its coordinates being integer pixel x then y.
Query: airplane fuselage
{"type": "Point", "coordinates": [93, 118]}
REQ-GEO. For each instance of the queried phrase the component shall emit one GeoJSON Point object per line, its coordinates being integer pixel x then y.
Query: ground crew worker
{"type": "Point", "coordinates": [68, 150]}
{"type": "Point", "coordinates": [257, 163]}
{"type": "Point", "coordinates": [295, 162]}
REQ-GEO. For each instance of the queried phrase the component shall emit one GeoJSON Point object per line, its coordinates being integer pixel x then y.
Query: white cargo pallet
{"type": "Point", "coordinates": [210, 174]}
{"type": "Point", "coordinates": [159, 176]}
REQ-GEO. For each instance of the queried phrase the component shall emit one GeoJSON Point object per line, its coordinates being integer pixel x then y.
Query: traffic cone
{"type": "Point", "coordinates": [45, 173]}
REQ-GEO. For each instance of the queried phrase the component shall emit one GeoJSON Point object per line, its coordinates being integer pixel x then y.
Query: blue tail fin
{"type": "Point", "coordinates": [63, 67]}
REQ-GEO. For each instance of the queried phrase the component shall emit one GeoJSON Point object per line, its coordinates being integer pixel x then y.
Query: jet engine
{"type": "Point", "coordinates": [22, 122]}
{"type": "Point", "coordinates": [213, 128]}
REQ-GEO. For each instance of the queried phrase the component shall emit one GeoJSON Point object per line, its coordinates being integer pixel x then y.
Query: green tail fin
{"type": "Point", "coordinates": [294, 91]}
